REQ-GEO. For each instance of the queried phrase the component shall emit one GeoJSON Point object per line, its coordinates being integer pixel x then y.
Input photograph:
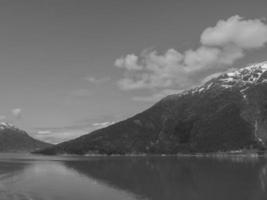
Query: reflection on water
{"type": "Point", "coordinates": [151, 178]}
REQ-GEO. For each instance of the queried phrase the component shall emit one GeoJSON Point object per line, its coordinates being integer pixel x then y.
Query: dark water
{"type": "Point", "coordinates": [126, 178]}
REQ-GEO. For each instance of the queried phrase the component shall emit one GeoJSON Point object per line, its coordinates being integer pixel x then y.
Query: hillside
{"type": "Point", "coordinates": [13, 139]}
{"type": "Point", "coordinates": [227, 113]}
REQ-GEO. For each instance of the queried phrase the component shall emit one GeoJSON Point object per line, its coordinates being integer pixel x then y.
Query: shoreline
{"type": "Point", "coordinates": [240, 153]}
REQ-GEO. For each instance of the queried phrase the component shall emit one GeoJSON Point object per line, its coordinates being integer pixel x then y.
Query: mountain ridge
{"type": "Point", "coordinates": [224, 114]}
{"type": "Point", "coordinates": [13, 139]}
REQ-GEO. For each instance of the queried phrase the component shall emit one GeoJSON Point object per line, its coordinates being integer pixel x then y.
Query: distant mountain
{"type": "Point", "coordinates": [13, 139]}
{"type": "Point", "coordinates": [227, 113]}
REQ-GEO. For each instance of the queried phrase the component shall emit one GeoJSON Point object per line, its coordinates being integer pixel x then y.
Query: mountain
{"type": "Point", "coordinates": [13, 139]}
{"type": "Point", "coordinates": [227, 113]}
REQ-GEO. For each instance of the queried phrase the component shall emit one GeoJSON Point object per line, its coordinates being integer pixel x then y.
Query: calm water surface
{"type": "Point", "coordinates": [28, 177]}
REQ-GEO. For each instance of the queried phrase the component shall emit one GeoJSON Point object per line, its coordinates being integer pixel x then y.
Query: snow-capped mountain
{"type": "Point", "coordinates": [224, 114]}
{"type": "Point", "coordinates": [241, 78]}
{"type": "Point", "coordinates": [251, 74]}
{"type": "Point", "coordinates": [9, 126]}
{"type": "Point", "coordinates": [4, 125]}
{"type": "Point", "coordinates": [13, 139]}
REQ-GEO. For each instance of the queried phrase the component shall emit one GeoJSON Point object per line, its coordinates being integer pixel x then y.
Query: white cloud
{"type": "Point", "coordinates": [16, 112]}
{"type": "Point", "coordinates": [220, 47]}
{"type": "Point", "coordinates": [157, 96]}
{"type": "Point", "coordinates": [44, 132]}
{"type": "Point", "coordinates": [102, 124]}
{"type": "Point", "coordinates": [95, 80]}
{"type": "Point", "coordinates": [157, 71]}
{"type": "Point", "coordinates": [236, 31]}
{"type": "Point", "coordinates": [215, 75]}
{"type": "Point", "coordinates": [212, 76]}
{"type": "Point", "coordinates": [201, 58]}
{"type": "Point", "coordinates": [129, 61]}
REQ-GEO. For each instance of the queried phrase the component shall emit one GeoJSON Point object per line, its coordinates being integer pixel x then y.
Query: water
{"type": "Point", "coordinates": [28, 177]}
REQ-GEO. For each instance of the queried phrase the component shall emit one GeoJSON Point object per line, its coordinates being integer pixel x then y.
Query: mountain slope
{"type": "Point", "coordinates": [13, 139]}
{"type": "Point", "coordinates": [226, 113]}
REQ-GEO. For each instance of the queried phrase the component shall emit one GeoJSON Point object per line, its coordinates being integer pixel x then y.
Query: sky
{"type": "Point", "coordinates": [68, 67]}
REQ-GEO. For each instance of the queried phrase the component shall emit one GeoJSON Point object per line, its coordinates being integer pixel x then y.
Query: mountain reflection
{"type": "Point", "coordinates": [179, 178]}
{"type": "Point", "coordinates": [131, 178]}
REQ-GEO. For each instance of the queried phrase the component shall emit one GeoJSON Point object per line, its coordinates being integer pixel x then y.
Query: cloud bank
{"type": "Point", "coordinates": [220, 46]}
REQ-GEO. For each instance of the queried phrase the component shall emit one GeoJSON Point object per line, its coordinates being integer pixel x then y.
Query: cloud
{"type": "Point", "coordinates": [16, 112]}
{"type": "Point", "coordinates": [102, 124]}
{"type": "Point", "coordinates": [129, 62]}
{"type": "Point", "coordinates": [44, 132]}
{"type": "Point", "coordinates": [95, 80]}
{"type": "Point", "coordinates": [212, 76]}
{"type": "Point", "coordinates": [236, 31]}
{"type": "Point", "coordinates": [215, 75]}
{"type": "Point", "coordinates": [220, 46]}
{"type": "Point", "coordinates": [157, 96]}
{"type": "Point", "coordinates": [157, 71]}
